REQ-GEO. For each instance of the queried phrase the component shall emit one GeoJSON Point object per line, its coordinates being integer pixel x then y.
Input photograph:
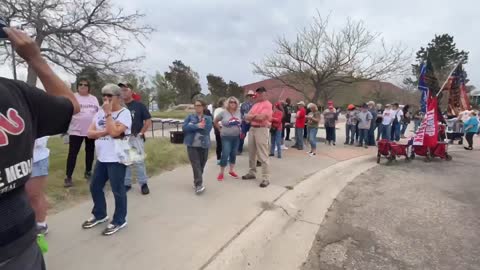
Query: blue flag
{"type": "Point", "coordinates": [422, 86]}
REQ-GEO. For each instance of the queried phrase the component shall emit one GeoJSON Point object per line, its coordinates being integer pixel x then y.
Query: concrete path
{"type": "Point", "coordinates": [174, 229]}
{"type": "Point", "coordinates": [406, 216]}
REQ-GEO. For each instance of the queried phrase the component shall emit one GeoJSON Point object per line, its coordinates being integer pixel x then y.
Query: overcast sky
{"type": "Point", "coordinates": [225, 37]}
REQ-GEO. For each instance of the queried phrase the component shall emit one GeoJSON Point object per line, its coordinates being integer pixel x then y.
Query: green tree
{"type": "Point", "coordinates": [217, 86]}
{"type": "Point", "coordinates": [184, 80]}
{"type": "Point", "coordinates": [235, 90]}
{"type": "Point", "coordinates": [444, 56]}
{"type": "Point", "coordinates": [165, 92]}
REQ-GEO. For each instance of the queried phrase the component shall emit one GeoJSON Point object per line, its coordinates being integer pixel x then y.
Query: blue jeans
{"type": "Point", "coordinates": [299, 138]}
{"type": "Point", "coordinates": [371, 134]}
{"type": "Point", "coordinates": [395, 136]}
{"type": "Point", "coordinates": [350, 132]}
{"type": "Point", "coordinates": [386, 131]}
{"type": "Point", "coordinates": [115, 172]}
{"type": "Point", "coordinates": [312, 138]}
{"type": "Point", "coordinates": [276, 141]}
{"type": "Point", "coordinates": [229, 150]}
{"type": "Point", "coordinates": [363, 136]}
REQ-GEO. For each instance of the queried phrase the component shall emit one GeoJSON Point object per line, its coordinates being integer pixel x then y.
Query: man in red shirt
{"type": "Point", "coordinates": [260, 119]}
{"type": "Point", "coordinates": [300, 125]}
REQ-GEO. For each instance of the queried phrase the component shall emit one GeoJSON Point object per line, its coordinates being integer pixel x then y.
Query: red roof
{"type": "Point", "coordinates": [276, 90]}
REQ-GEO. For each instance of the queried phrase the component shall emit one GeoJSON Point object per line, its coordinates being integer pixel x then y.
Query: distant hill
{"type": "Point", "coordinates": [356, 93]}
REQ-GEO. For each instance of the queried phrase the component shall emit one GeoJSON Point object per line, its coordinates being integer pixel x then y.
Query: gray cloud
{"type": "Point", "coordinates": [225, 37]}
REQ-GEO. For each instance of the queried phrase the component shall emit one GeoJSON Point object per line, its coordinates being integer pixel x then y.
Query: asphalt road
{"type": "Point", "coordinates": [405, 216]}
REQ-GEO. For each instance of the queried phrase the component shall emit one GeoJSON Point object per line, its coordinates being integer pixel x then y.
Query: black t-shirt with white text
{"type": "Point", "coordinates": [139, 115]}
{"type": "Point", "coordinates": [26, 113]}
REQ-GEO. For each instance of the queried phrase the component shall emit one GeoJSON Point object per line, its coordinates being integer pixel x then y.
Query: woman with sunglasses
{"type": "Point", "coordinates": [78, 131]}
{"type": "Point", "coordinates": [196, 129]}
{"type": "Point", "coordinates": [230, 128]}
{"type": "Point", "coordinates": [112, 122]}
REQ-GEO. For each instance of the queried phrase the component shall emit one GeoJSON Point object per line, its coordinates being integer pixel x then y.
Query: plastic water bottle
{"type": "Point", "coordinates": [42, 243]}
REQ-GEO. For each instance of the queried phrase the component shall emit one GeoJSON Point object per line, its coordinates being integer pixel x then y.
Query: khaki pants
{"type": "Point", "coordinates": [258, 147]}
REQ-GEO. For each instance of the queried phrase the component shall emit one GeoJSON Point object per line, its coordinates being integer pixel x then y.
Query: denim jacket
{"type": "Point", "coordinates": [190, 128]}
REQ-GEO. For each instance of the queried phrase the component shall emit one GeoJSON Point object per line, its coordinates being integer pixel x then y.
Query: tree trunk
{"type": "Point", "coordinates": [316, 95]}
{"type": "Point", "coordinates": [31, 76]}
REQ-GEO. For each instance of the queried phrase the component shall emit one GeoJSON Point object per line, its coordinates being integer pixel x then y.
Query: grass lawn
{"type": "Point", "coordinates": [161, 156]}
{"type": "Point", "coordinates": [171, 114]}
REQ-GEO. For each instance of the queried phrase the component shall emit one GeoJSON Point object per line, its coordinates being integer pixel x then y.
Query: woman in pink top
{"type": "Point", "coordinates": [78, 131]}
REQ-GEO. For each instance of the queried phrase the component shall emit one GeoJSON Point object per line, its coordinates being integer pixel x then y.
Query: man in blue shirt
{"type": "Point", "coordinates": [141, 122]}
{"type": "Point", "coordinates": [244, 109]}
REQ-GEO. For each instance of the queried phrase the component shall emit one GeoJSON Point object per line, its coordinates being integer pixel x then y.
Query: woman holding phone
{"type": "Point", "coordinates": [197, 128]}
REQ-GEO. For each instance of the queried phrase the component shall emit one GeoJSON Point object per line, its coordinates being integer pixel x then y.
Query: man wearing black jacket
{"type": "Point", "coordinates": [26, 113]}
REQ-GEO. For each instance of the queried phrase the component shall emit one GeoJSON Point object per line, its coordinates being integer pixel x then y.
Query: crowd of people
{"type": "Point", "coordinates": [26, 114]}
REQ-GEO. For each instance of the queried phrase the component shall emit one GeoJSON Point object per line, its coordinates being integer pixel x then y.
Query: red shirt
{"type": "Point", "coordinates": [262, 107]}
{"type": "Point", "coordinates": [300, 121]}
{"type": "Point", "coordinates": [277, 120]}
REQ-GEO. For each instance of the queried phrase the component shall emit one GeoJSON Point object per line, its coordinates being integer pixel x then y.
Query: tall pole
{"type": "Point", "coordinates": [449, 75]}
{"type": "Point", "coordinates": [14, 63]}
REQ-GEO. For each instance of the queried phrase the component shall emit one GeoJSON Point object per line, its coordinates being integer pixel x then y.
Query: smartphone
{"type": "Point", "coordinates": [3, 23]}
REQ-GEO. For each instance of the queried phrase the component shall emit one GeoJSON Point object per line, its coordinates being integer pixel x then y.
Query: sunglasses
{"type": "Point", "coordinates": [83, 84]}
{"type": "Point", "coordinates": [232, 102]}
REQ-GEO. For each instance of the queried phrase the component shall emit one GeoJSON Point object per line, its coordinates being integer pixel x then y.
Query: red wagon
{"type": "Point", "coordinates": [392, 150]}
{"type": "Point", "coordinates": [440, 151]}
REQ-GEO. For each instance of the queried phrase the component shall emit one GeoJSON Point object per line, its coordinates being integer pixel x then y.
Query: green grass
{"type": "Point", "coordinates": [171, 114]}
{"type": "Point", "coordinates": [161, 155]}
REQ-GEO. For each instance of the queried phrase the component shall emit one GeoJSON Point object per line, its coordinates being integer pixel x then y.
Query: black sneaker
{"type": "Point", "coordinates": [88, 175]}
{"type": "Point", "coordinates": [68, 182]}
{"type": "Point", "coordinates": [264, 184]}
{"type": "Point", "coordinates": [145, 189]}
{"type": "Point", "coordinates": [112, 228]}
{"type": "Point", "coordinates": [259, 164]}
{"type": "Point", "coordinates": [42, 229]}
{"type": "Point", "coordinates": [271, 155]}
{"type": "Point", "coordinates": [127, 188]}
{"type": "Point", "coordinates": [92, 222]}
{"type": "Point", "coordinates": [248, 177]}
{"type": "Point", "coordinates": [199, 189]}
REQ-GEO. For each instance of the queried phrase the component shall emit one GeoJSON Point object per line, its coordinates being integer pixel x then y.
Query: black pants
{"type": "Point", "coordinates": [73, 149]}
{"type": "Point", "coordinates": [469, 137]}
{"type": "Point", "coordinates": [286, 131]}
{"type": "Point", "coordinates": [198, 158]}
{"type": "Point", "coordinates": [218, 139]}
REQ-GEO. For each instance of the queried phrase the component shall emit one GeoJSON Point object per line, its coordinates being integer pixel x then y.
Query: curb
{"type": "Point", "coordinates": [283, 233]}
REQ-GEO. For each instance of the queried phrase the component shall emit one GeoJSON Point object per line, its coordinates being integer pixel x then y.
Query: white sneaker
{"type": "Point", "coordinates": [312, 154]}
{"type": "Point", "coordinates": [284, 147]}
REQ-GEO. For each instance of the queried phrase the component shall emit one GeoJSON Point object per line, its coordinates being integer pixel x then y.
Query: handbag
{"type": "Point", "coordinates": [129, 150]}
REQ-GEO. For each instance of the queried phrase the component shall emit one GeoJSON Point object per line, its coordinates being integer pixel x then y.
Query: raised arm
{"type": "Point", "coordinates": [28, 50]}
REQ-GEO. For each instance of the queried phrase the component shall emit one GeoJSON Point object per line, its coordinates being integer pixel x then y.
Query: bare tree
{"type": "Point", "coordinates": [74, 34]}
{"type": "Point", "coordinates": [319, 59]}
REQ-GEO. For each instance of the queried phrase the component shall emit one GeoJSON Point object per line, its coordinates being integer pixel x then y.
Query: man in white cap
{"type": "Point", "coordinates": [244, 109]}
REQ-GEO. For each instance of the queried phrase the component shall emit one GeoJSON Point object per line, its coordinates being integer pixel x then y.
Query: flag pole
{"type": "Point", "coordinates": [449, 75]}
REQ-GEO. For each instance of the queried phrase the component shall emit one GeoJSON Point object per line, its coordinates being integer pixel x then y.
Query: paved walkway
{"type": "Point", "coordinates": [172, 228]}
{"type": "Point", "coordinates": [406, 216]}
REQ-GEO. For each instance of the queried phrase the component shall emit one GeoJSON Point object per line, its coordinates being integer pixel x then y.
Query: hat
{"type": "Point", "coordinates": [301, 103]}
{"type": "Point", "coordinates": [125, 84]}
{"type": "Point", "coordinates": [351, 107]}
{"type": "Point", "coordinates": [111, 89]}
{"type": "Point", "coordinates": [371, 102]}
{"type": "Point", "coordinates": [330, 102]}
{"type": "Point", "coordinates": [261, 89]}
{"type": "Point", "coordinates": [388, 105]}
{"type": "Point", "coordinates": [250, 93]}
